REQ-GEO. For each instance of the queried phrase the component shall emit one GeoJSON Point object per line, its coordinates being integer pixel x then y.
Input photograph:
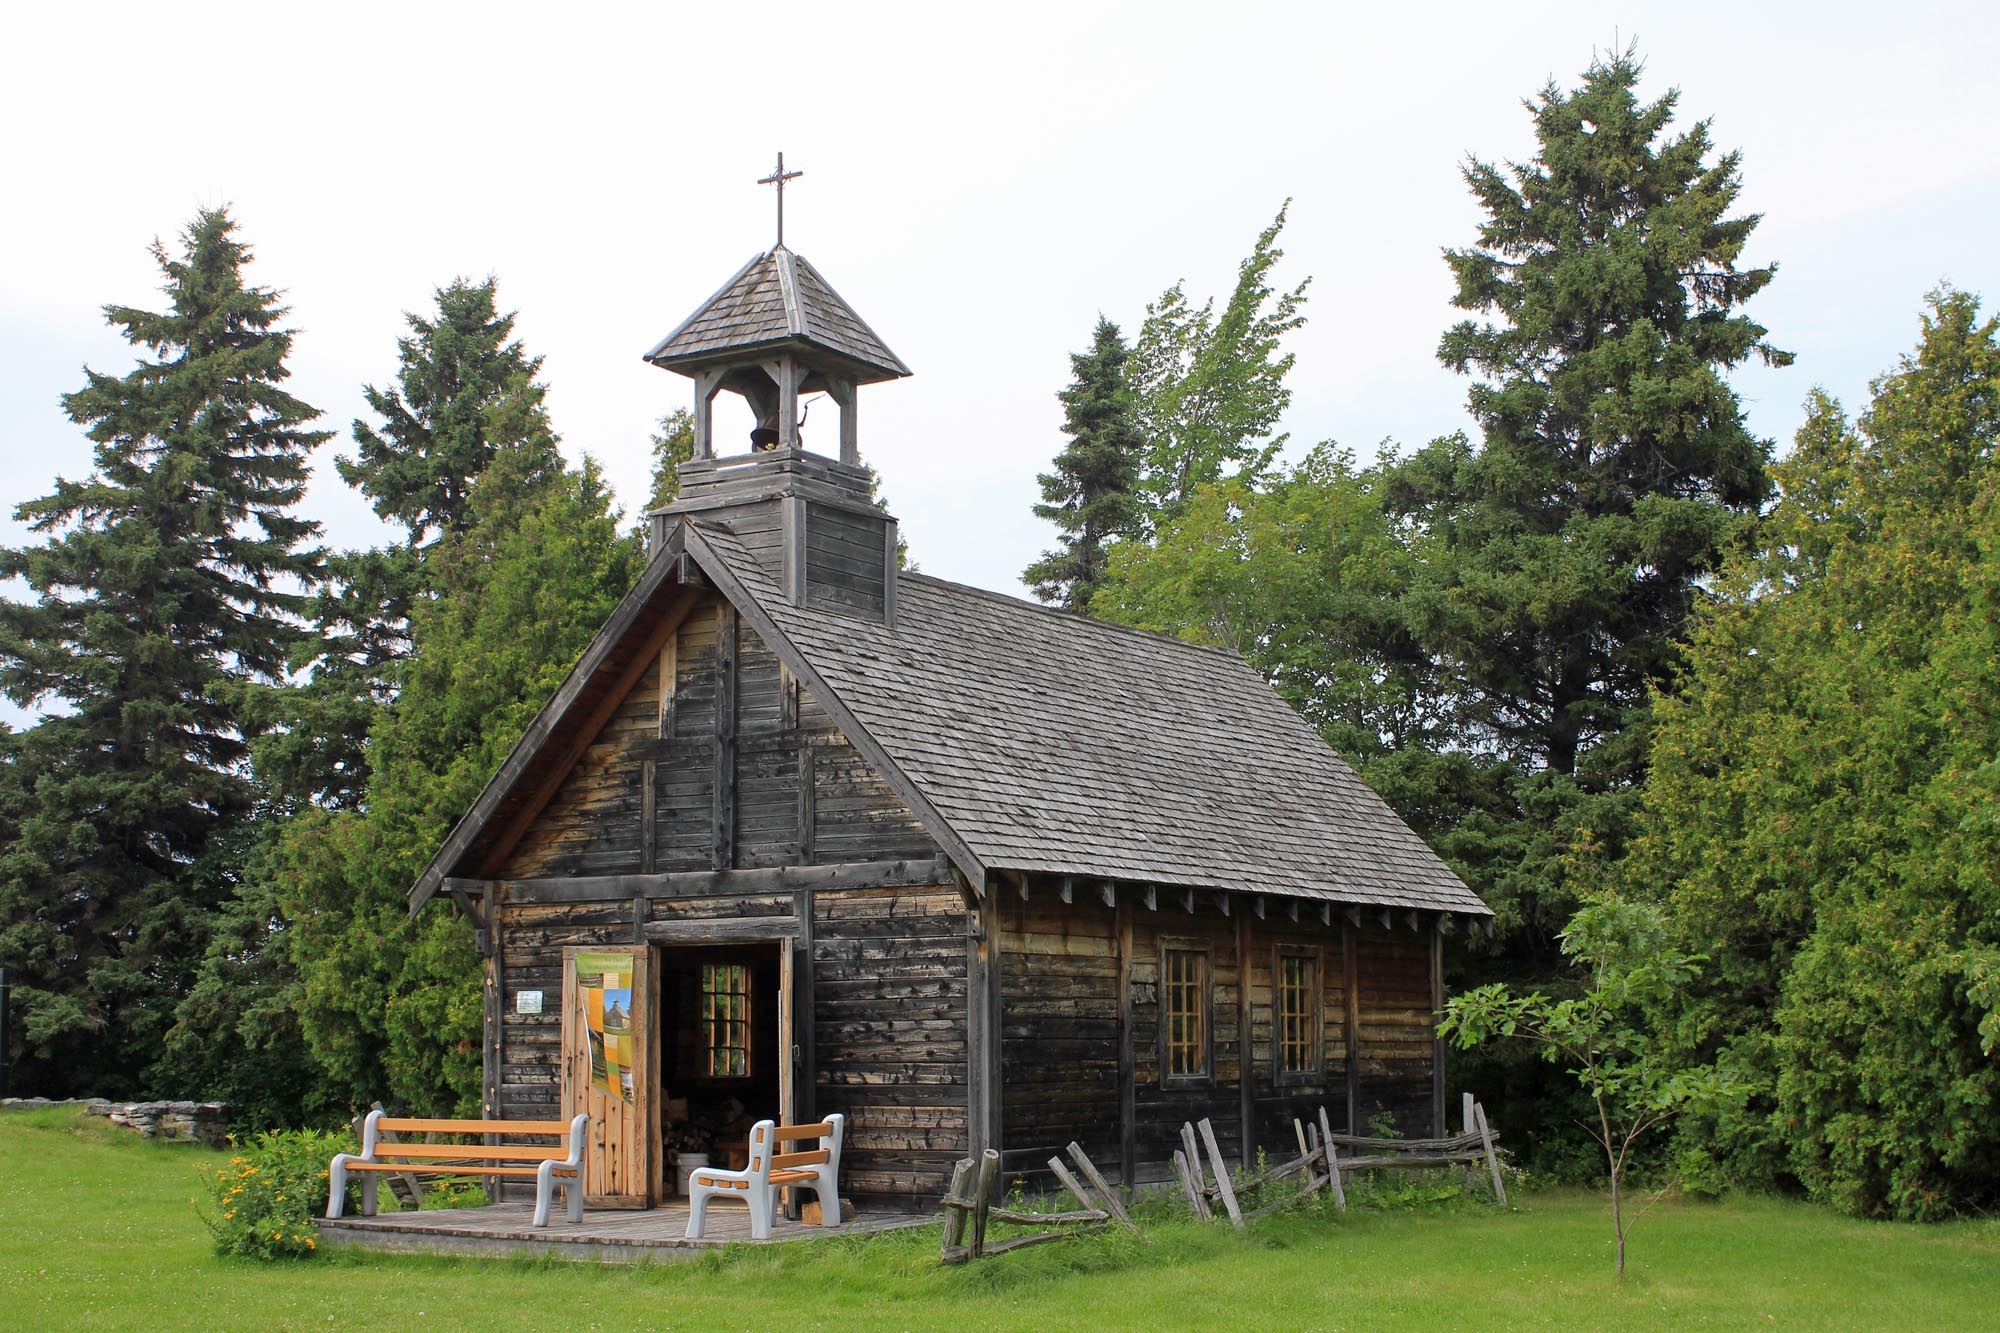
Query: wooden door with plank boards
{"type": "Point", "coordinates": [611, 1069]}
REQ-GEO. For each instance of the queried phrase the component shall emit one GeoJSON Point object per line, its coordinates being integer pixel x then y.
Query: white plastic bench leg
{"type": "Point", "coordinates": [545, 1185]}
{"type": "Point", "coordinates": [336, 1186]}
{"type": "Point", "coordinates": [697, 1211]}
{"type": "Point", "coordinates": [826, 1189]}
{"type": "Point", "coordinates": [573, 1192]}
{"type": "Point", "coordinates": [368, 1194]}
{"type": "Point", "coordinates": [760, 1212]}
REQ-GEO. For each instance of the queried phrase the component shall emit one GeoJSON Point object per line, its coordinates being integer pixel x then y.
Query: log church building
{"type": "Point", "coordinates": [805, 832]}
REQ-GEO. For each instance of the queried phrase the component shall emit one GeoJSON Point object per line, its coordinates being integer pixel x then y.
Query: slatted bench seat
{"type": "Point", "coordinates": [816, 1169]}
{"type": "Point", "coordinates": [560, 1164]}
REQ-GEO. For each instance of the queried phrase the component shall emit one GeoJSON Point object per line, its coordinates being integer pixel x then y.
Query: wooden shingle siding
{"type": "Point", "coordinates": [774, 298]}
{"type": "Point", "coordinates": [1139, 756]}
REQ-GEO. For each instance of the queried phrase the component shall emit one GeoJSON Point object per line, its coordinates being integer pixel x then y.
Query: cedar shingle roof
{"type": "Point", "coordinates": [1054, 743]}
{"type": "Point", "coordinates": [778, 297]}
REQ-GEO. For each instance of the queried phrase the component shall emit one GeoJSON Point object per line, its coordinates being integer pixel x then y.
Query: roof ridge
{"type": "Point", "coordinates": [1073, 617]}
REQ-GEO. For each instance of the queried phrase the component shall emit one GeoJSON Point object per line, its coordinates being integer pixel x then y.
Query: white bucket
{"type": "Point", "coordinates": [685, 1165]}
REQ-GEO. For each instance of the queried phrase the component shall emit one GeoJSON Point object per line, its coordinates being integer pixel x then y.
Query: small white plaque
{"type": "Point", "coordinates": [527, 1002]}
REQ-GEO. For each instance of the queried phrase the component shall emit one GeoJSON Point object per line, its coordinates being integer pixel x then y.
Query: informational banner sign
{"type": "Point", "coordinates": [605, 980]}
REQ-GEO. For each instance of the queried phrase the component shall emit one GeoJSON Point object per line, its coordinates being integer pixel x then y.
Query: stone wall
{"type": "Point", "coordinates": [199, 1122]}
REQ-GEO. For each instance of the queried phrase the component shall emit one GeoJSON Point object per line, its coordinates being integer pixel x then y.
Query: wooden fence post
{"type": "Point", "coordinates": [989, 1177]}
{"type": "Point", "coordinates": [1332, 1160]}
{"type": "Point", "coordinates": [1492, 1162]}
{"type": "Point", "coordinates": [1112, 1204]}
{"type": "Point", "coordinates": [955, 1210]}
{"type": "Point", "coordinates": [1222, 1184]}
{"type": "Point", "coordinates": [1191, 1186]}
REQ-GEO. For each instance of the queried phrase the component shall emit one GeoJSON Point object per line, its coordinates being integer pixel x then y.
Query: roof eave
{"type": "Point", "coordinates": [860, 371]}
{"type": "Point", "coordinates": [702, 309]}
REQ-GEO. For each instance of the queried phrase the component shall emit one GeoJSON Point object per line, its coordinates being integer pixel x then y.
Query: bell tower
{"type": "Point", "coordinates": [774, 334]}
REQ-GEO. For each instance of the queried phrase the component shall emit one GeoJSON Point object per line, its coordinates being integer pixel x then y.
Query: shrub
{"type": "Point", "coordinates": [268, 1195]}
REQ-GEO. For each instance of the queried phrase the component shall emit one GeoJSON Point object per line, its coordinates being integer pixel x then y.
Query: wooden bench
{"type": "Point", "coordinates": [549, 1165]}
{"type": "Point", "coordinates": [816, 1169]}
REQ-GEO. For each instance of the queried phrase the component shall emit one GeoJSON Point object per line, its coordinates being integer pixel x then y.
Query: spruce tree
{"type": "Point", "coordinates": [1090, 496]}
{"type": "Point", "coordinates": [1559, 556]}
{"type": "Point", "coordinates": [420, 465]}
{"type": "Point", "coordinates": [165, 596]}
{"type": "Point", "coordinates": [1613, 461]}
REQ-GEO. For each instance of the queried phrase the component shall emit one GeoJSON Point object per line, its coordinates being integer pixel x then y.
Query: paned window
{"type": "Point", "coordinates": [1184, 1012]}
{"type": "Point", "coordinates": [725, 1019]}
{"type": "Point", "coordinates": [1298, 1014]}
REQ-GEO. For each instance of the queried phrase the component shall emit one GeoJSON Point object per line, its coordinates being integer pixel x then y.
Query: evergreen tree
{"type": "Point", "coordinates": [673, 445]}
{"type": "Point", "coordinates": [520, 588]}
{"type": "Point", "coordinates": [1820, 807]}
{"type": "Point", "coordinates": [1090, 496]}
{"type": "Point", "coordinates": [165, 600]}
{"type": "Point", "coordinates": [1559, 558]}
{"type": "Point", "coordinates": [419, 467]}
{"type": "Point", "coordinates": [1208, 389]}
{"type": "Point", "coordinates": [435, 440]}
{"type": "Point", "coordinates": [1613, 462]}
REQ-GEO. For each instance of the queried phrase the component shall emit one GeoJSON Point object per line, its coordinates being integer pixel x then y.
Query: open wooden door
{"type": "Point", "coordinates": [610, 1069]}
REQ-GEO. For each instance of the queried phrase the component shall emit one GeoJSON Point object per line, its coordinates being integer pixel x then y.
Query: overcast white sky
{"type": "Point", "coordinates": [980, 182]}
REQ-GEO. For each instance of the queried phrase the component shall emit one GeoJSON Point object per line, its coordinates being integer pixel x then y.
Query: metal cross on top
{"type": "Point", "coordinates": [778, 178]}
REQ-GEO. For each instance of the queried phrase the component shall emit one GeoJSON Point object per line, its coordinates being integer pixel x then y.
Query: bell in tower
{"type": "Point", "coordinates": [775, 334]}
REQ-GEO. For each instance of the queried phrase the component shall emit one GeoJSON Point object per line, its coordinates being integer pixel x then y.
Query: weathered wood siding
{"type": "Point", "coordinates": [1161, 1109]}
{"type": "Point", "coordinates": [1059, 1030]}
{"type": "Point", "coordinates": [1279, 1097]}
{"type": "Point", "coordinates": [532, 938]}
{"type": "Point", "coordinates": [845, 564]}
{"type": "Point", "coordinates": [889, 1035]}
{"type": "Point", "coordinates": [749, 771]}
{"type": "Point", "coordinates": [734, 716]}
{"type": "Point", "coordinates": [1395, 1045]}
{"type": "Point", "coordinates": [1060, 965]}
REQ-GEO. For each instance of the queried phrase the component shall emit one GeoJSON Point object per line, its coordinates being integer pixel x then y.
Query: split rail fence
{"type": "Point", "coordinates": [1206, 1183]}
{"type": "Point", "coordinates": [969, 1206]}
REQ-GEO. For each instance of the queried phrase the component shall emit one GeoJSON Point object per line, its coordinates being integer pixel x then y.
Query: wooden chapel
{"type": "Point", "coordinates": [804, 832]}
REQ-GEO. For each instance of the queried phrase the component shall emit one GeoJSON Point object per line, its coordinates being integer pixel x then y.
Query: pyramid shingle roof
{"type": "Point", "coordinates": [778, 298]}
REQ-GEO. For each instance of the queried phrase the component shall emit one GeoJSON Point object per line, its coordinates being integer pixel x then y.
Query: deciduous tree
{"type": "Point", "coordinates": [1208, 388]}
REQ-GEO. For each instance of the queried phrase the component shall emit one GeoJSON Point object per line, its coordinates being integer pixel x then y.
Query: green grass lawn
{"type": "Point", "coordinates": [97, 1231]}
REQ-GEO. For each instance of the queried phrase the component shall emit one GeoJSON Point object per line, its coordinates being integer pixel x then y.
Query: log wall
{"type": "Point", "coordinates": [889, 1035]}
{"type": "Point", "coordinates": [719, 759]}
{"type": "Point", "coordinates": [1067, 1038]}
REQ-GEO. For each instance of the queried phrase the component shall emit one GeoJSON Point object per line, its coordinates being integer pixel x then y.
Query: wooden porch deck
{"type": "Point", "coordinates": [602, 1237]}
